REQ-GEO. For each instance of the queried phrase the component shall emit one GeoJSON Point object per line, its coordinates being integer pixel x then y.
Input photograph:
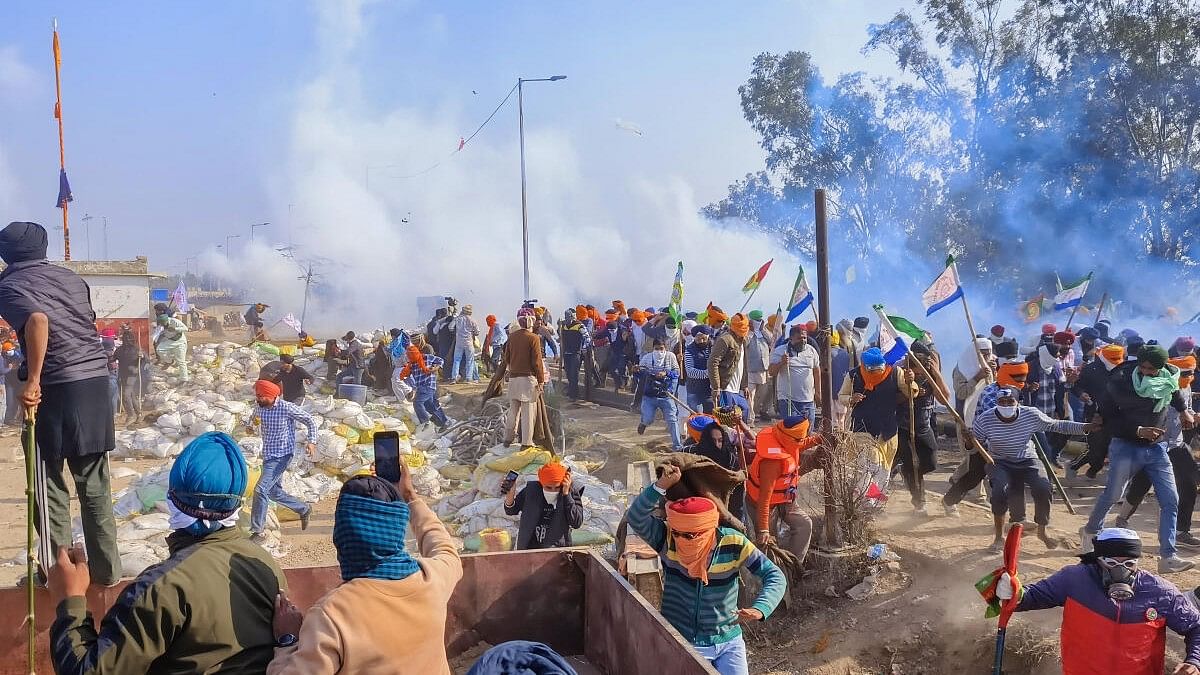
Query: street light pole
{"type": "Point", "coordinates": [524, 202]}
{"type": "Point", "coordinates": [229, 243]}
{"type": "Point", "coordinates": [255, 226]}
{"type": "Point", "coordinates": [105, 218]}
{"type": "Point", "coordinates": [87, 224]}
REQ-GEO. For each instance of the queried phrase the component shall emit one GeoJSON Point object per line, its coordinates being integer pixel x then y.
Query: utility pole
{"type": "Point", "coordinates": [833, 533]}
{"type": "Point", "coordinates": [105, 218]}
{"type": "Point", "coordinates": [87, 229]}
{"type": "Point", "coordinates": [308, 279]}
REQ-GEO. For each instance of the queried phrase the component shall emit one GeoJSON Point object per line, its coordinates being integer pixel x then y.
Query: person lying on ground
{"type": "Point", "coordinates": [1007, 432]}
{"type": "Point", "coordinates": [205, 609]}
{"type": "Point", "coordinates": [353, 628]}
{"type": "Point", "coordinates": [549, 508]}
{"type": "Point", "coordinates": [701, 562]}
{"type": "Point", "coordinates": [1115, 614]}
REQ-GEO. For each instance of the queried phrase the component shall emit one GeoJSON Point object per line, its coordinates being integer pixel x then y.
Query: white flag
{"type": "Point", "coordinates": [291, 321]}
{"type": "Point", "coordinates": [944, 290]}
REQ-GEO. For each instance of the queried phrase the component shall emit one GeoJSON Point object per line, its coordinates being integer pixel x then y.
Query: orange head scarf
{"type": "Point", "coordinates": [1187, 369]}
{"type": "Point", "coordinates": [739, 325]}
{"type": "Point", "coordinates": [1113, 354]}
{"type": "Point", "coordinates": [552, 474]}
{"type": "Point", "coordinates": [581, 313]}
{"type": "Point", "coordinates": [593, 313]}
{"type": "Point", "coordinates": [490, 320]}
{"type": "Point", "coordinates": [1004, 376]}
{"type": "Point", "coordinates": [716, 317]}
{"type": "Point", "coordinates": [638, 316]}
{"type": "Point", "coordinates": [620, 307]}
{"type": "Point", "coordinates": [773, 321]}
{"type": "Point", "coordinates": [693, 516]}
{"type": "Point", "coordinates": [872, 378]}
{"type": "Point", "coordinates": [266, 389]}
{"type": "Point", "coordinates": [415, 356]}
{"type": "Point", "coordinates": [790, 436]}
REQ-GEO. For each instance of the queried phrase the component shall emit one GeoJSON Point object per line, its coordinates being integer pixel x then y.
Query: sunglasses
{"type": "Point", "coordinates": [688, 535]}
{"type": "Point", "coordinates": [1110, 563]}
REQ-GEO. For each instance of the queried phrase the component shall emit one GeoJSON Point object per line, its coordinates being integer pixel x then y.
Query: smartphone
{"type": "Point", "coordinates": [510, 479]}
{"type": "Point", "coordinates": [387, 455]}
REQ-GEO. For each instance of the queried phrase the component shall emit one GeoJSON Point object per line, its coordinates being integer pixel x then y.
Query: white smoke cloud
{"type": "Point", "coordinates": [588, 242]}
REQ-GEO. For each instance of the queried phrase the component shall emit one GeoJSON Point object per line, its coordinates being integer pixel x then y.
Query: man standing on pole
{"type": "Point", "coordinates": [66, 380]}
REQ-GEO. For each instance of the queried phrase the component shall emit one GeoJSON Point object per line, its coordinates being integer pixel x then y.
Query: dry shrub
{"type": "Point", "coordinates": [852, 465]}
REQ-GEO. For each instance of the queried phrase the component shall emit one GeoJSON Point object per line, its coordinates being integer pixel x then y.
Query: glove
{"type": "Point", "coordinates": [1004, 587]}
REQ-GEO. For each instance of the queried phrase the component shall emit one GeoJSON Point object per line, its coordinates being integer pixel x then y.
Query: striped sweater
{"type": "Point", "coordinates": [706, 615]}
{"type": "Point", "coordinates": [1010, 440]}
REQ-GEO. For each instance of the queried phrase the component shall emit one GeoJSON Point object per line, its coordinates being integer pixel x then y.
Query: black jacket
{"type": "Point", "coordinates": [1124, 411]}
{"type": "Point", "coordinates": [1093, 381]}
{"type": "Point", "coordinates": [568, 515]}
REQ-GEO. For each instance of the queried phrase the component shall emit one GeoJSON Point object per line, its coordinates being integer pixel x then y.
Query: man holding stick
{"type": "Point", "coordinates": [66, 381]}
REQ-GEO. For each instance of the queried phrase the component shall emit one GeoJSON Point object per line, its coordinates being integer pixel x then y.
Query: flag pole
{"type": "Point", "coordinates": [62, 154]}
{"type": "Point", "coordinates": [1100, 308]}
{"type": "Point", "coordinates": [971, 327]}
{"type": "Point", "coordinates": [747, 303]}
{"type": "Point", "coordinates": [1076, 307]}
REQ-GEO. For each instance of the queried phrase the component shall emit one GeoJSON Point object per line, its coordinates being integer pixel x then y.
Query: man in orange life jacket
{"type": "Point", "coordinates": [1115, 615]}
{"type": "Point", "coordinates": [779, 461]}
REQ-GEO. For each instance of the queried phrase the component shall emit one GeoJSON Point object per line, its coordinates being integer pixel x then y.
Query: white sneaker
{"type": "Point", "coordinates": [951, 510]}
{"type": "Point", "coordinates": [920, 510]}
{"type": "Point", "coordinates": [1085, 539]}
{"type": "Point", "coordinates": [1174, 564]}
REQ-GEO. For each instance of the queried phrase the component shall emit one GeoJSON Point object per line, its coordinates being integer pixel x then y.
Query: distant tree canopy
{"type": "Point", "coordinates": [1025, 136]}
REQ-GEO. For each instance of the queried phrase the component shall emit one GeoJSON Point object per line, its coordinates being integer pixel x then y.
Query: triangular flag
{"type": "Point", "coordinates": [944, 290]}
{"type": "Point", "coordinates": [757, 277]}
{"type": "Point", "coordinates": [802, 297]}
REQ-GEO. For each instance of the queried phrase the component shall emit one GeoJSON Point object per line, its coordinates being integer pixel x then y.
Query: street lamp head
{"type": "Point", "coordinates": [556, 78]}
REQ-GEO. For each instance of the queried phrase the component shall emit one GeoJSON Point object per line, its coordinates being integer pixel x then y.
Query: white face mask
{"type": "Point", "coordinates": [551, 496]}
{"type": "Point", "coordinates": [1007, 411]}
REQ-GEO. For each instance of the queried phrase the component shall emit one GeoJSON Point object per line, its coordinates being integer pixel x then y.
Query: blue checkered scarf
{"type": "Point", "coordinates": [369, 537]}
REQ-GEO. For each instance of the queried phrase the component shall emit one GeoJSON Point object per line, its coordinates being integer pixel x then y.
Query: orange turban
{"type": "Point", "coordinates": [490, 320]}
{"type": "Point", "coordinates": [581, 312]}
{"type": "Point", "coordinates": [638, 316]}
{"type": "Point", "coordinates": [593, 314]}
{"type": "Point", "coordinates": [266, 389]}
{"type": "Point", "coordinates": [539, 311]}
{"type": "Point", "coordinates": [739, 325]}
{"type": "Point", "coordinates": [552, 474]}
{"type": "Point", "coordinates": [693, 515]}
{"type": "Point", "coordinates": [1187, 369]}
{"type": "Point", "coordinates": [619, 306]}
{"type": "Point", "coordinates": [810, 327]}
{"type": "Point", "coordinates": [715, 316]}
{"type": "Point", "coordinates": [1114, 354]}
{"type": "Point", "coordinates": [1007, 370]}
{"type": "Point", "coordinates": [773, 321]}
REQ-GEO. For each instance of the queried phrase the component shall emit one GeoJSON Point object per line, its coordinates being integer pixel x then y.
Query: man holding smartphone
{"type": "Point", "coordinates": [276, 419]}
{"type": "Point", "coordinates": [1135, 412]}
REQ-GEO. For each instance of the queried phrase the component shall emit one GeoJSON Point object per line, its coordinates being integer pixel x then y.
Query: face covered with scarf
{"type": "Point", "coordinates": [1187, 369]}
{"type": "Point", "coordinates": [1012, 374]}
{"type": "Point", "coordinates": [368, 531]}
{"type": "Point", "coordinates": [739, 325]}
{"type": "Point", "coordinates": [1154, 378]}
{"type": "Point", "coordinates": [692, 533]}
{"type": "Point", "coordinates": [206, 485]}
{"type": "Point", "coordinates": [874, 368]}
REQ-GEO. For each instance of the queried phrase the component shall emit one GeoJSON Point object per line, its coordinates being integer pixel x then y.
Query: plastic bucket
{"type": "Point", "coordinates": [353, 392]}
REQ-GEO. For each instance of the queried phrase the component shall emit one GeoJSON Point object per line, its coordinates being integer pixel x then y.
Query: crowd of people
{"type": "Point", "coordinates": [712, 377]}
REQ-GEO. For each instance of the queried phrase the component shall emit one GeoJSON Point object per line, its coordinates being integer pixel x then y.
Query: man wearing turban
{"type": "Point", "coordinates": [276, 421]}
{"type": "Point", "coordinates": [702, 562]}
{"type": "Point", "coordinates": [549, 508]}
{"type": "Point", "coordinates": [1091, 388]}
{"type": "Point", "coordinates": [352, 629]}
{"type": "Point", "coordinates": [726, 365]}
{"type": "Point", "coordinates": [874, 391]}
{"type": "Point", "coordinates": [67, 380]}
{"type": "Point", "coordinates": [208, 608]}
{"type": "Point", "coordinates": [1135, 413]}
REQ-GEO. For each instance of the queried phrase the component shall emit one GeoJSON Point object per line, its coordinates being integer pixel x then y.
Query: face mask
{"type": "Point", "coordinates": [1118, 581]}
{"type": "Point", "coordinates": [551, 496]}
{"type": "Point", "coordinates": [1007, 410]}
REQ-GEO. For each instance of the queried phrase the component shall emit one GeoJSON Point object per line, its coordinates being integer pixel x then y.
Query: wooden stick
{"type": "Point", "coordinates": [971, 327]}
{"type": "Point", "coordinates": [937, 393]}
{"type": "Point", "coordinates": [913, 464]}
{"type": "Point", "coordinates": [1037, 445]}
{"type": "Point", "coordinates": [1100, 308]}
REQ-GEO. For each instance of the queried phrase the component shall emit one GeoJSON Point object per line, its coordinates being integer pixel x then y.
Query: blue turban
{"type": "Point", "coordinates": [520, 657]}
{"type": "Point", "coordinates": [873, 358]}
{"type": "Point", "coordinates": [208, 479]}
{"type": "Point", "coordinates": [369, 537]}
{"type": "Point", "coordinates": [701, 329]}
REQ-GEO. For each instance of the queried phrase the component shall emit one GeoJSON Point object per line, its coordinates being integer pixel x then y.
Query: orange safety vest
{"type": "Point", "coordinates": [770, 448]}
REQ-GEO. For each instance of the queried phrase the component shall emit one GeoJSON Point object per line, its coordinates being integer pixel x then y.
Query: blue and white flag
{"type": "Point", "coordinates": [944, 290]}
{"type": "Point", "coordinates": [892, 342]}
{"type": "Point", "coordinates": [802, 297]}
{"type": "Point", "coordinates": [1070, 296]}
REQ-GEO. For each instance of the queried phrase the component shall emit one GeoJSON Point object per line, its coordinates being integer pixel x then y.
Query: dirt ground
{"type": "Point", "coordinates": [924, 617]}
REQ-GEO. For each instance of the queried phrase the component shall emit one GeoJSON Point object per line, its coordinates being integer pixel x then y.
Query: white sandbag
{"type": "Point", "coordinates": [127, 504]}
{"type": "Point", "coordinates": [201, 427]}
{"type": "Point", "coordinates": [168, 421]}
{"type": "Point", "coordinates": [427, 482]}
{"type": "Point", "coordinates": [482, 507]}
{"type": "Point", "coordinates": [251, 446]}
{"type": "Point", "coordinates": [119, 472]}
{"type": "Point", "coordinates": [187, 419]}
{"type": "Point", "coordinates": [135, 561]}
{"type": "Point", "coordinates": [153, 521]}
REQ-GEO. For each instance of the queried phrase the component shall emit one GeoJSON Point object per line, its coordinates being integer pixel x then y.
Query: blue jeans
{"type": "Point", "coordinates": [650, 405]}
{"type": "Point", "coordinates": [470, 371]}
{"type": "Point", "coordinates": [426, 405]}
{"type": "Point", "coordinates": [800, 409]}
{"type": "Point", "coordinates": [700, 402]}
{"type": "Point", "coordinates": [1125, 459]}
{"type": "Point", "coordinates": [729, 398]}
{"type": "Point", "coordinates": [570, 365]}
{"type": "Point", "coordinates": [113, 395]}
{"type": "Point", "coordinates": [269, 488]}
{"type": "Point", "coordinates": [728, 658]}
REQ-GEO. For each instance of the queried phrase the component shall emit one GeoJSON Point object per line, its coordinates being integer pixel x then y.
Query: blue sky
{"type": "Point", "coordinates": [186, 121]}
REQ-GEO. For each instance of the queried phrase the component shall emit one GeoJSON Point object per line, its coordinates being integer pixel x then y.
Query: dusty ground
{"type": "Point", "coordinates": [925, 617]}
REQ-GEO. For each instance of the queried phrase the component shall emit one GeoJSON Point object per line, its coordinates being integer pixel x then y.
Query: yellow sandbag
{"type": "Point", "coordinates": [456, 472]}
{"type": "Point", "coordinates": [494, 540]}
{"type": "Point", "coordinates": [414, 460]}
{"type": "Point", "coordinates": [519, 460]}
{"type": "Point", "coordinates": [286, 515]}
{"type": "Point", "coordinates": [252, 477]}
{"type": "Point", "coordinates": [347, 432]}
{"type": "Point", "coordinates": [290, 350]}
{"type": "Point", "coordinates": [367, 436]}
